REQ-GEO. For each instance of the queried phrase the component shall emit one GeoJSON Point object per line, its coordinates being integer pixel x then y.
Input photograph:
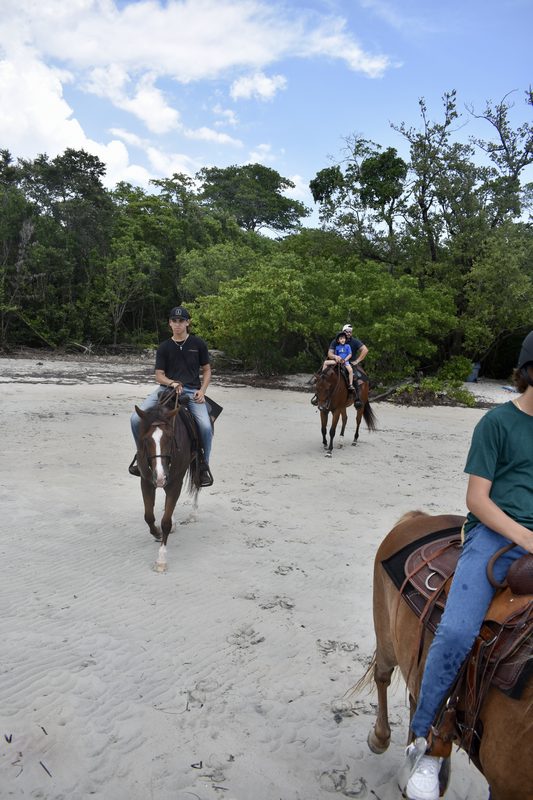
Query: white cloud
{"type": "Point", "coordinates": [146, 102]}
{"type": "Point", "coordinates": [301, 189]}
{"type": "Point", "coordinates": [208, 135]}
{"type": "Point", "coordinates": [257, 85]}
{"type": "Point", "coordinates": [135, 55]}
{"type": "Point", "coordinates": [165, 164]}
{"type": "Point", "coordinates": [37, 119]}
{"type": "Point", "coordinates": [332, 40]}
{"type": "Point", "coordinates": [262, 154]}
{"type": "Point", "coordinates": [187, 40]}
{"type": "Point", "coordinates": [399, 19]}
{"type": "Point", "coordinates": [227, 116]}
{"type": "Point", "coordinates": [128, 137]}
{"type": "Point", "coordinates": [31, 96]}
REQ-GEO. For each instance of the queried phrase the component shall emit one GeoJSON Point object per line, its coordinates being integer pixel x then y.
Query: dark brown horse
{"type": "Point", "coordinates": [164, 456]}
{"type": "Point", "coordinates": [334, 398]}
{"type": "Point", "coordinates": [505, 749]}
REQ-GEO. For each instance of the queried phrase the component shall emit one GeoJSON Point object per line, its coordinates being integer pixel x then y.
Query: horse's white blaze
{"type": "Point", "coordinates": [158, 462]}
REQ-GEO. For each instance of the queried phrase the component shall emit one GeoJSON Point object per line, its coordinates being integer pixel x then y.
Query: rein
{"type": "Point", "coordinates": [163, 402]}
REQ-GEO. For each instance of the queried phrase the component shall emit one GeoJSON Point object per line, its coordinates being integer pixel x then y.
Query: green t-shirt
{"type": "Point", "coordinates": [502, 452]}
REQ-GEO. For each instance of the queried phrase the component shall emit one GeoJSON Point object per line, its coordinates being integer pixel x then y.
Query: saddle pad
{"type": "Point", "coordinates": [394, 566]}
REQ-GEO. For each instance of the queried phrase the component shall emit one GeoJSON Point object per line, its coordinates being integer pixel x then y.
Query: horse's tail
{"type": "Point", "coordinates": [369, 417]}
{"type": "Point", "coordinates": [366, 680]}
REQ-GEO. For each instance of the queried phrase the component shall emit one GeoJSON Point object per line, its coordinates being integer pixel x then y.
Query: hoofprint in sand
{"type": "Point", "coordinates": [226, 676]}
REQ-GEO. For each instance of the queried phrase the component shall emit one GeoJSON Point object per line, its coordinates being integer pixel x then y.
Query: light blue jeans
{"type": "Point", "coordinates": [468, 600]}
{"type": "Point", "coordinates": [198, 410]}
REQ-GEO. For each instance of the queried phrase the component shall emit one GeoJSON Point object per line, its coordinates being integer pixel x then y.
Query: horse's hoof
{"type": "Point", "coordinates": [375, 744]}
{"type": "Point", "coordinates": [328, 454]}
{"type": "Point", "coordinates": [159, 567]}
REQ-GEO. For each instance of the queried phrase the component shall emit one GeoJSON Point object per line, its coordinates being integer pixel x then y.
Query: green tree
{"type": "Point", "coordinates": [365, 200]}
{"type": "Point", "coordinates": [499, 289]}
{"type": "Point", "coordinates": [283, 314]}
{"type": "Point", "coordinates": [203, 270]}
{"type": "Point", "coordinates": [254, 195]}
{"type": "Point", "coordinates": [127, 277]}
{"type": "Point", "coordinates": [16, 232]}
{"type": "Point", "coordinates": [511, 153]}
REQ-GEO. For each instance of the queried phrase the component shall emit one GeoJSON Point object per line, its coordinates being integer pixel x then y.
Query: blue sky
{"type": "Point", "coordinates": [154, 87]}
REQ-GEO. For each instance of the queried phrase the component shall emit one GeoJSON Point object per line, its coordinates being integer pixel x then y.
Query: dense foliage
{"type": "Point", "coordinates": [431, 259]}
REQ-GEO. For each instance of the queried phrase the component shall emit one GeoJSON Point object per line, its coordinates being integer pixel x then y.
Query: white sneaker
{"type": "Point", "coordinates": [424, 782]}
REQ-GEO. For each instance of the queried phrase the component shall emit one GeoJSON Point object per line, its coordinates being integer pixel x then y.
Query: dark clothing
{"type": "Point", "coordinates": [182, 362]}
{"type": "Point", "coordinates": [355, 344]}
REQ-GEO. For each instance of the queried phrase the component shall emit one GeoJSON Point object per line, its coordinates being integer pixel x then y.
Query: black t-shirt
{"type": "Point", "coordinates": [182, 362]}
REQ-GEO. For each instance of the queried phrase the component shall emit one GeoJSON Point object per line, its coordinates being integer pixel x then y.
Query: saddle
{"type": "Point", "coordinates": [170, 399]}
{"type": "Point", "coordinates": [502, 653]}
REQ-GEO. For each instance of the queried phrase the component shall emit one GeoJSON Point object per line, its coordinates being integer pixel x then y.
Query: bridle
{"type": "Point", "coordinates": [327, 404]}
{"type": "Point", "coordinates": [161, 455]}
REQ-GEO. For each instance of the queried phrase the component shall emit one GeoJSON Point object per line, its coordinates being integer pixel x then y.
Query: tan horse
{"type": "Point", "coordinates": [334, 398]}
{"type": "Point", "coordinates": [505, 752]}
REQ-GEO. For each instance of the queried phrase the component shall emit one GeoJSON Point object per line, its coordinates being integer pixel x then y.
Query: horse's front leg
{"type": "Point", "coordinates": [344, 417]}
{"type": "Point", "coordinates": [323, 427]}
{"type": "Point", "coordinates": [172, 494]}
{"type": "Point", "coordinates": [333, 428]}
{"type": "Point", "coordinates": [171, 498]}
{"type": "Point", "coordinates": [148, 492]}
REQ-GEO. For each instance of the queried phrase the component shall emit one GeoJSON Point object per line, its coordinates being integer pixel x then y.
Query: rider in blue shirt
{"type": "Point", "coordinates": [342, 354]}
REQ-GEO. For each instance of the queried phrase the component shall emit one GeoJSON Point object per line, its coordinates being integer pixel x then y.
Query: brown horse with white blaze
{"type": "Point", "coordinates": [505, 749]}
{"type": "Point", "coordinates": [334, 398]}
{"type": "Point", "coordinates": [165, 456]}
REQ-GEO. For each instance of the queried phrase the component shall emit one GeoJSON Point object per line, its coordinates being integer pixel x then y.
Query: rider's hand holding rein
{"type": "Point", "coordinates": [199, 395]}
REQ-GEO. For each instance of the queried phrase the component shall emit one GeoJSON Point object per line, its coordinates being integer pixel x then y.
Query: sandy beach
{"type": "Point", "coordinates": [225, 676]}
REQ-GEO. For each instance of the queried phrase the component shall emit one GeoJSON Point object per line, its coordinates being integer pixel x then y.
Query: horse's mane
{"type": "Point", "coordinates": [158, 413]}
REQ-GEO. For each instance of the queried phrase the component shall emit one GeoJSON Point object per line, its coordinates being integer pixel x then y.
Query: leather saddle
{"type": "Point", "coordinates": [504, 647]}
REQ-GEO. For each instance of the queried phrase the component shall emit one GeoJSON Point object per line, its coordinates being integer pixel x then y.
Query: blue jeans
{"type": "Point", "coordinates": [198, 410]}
{"type": "Point", "coordinates": [466, 606]}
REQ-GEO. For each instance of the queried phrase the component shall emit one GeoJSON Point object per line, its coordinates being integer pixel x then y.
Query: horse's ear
{"type": "Point", "coordinates": [174, 412]}
{"type": "Point", "coordinates": [140, 412]}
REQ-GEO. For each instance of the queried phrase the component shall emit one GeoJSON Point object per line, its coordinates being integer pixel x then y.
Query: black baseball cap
{"type": "Point", "coordinates": [526, 353]}
{"type": "Point", "coordinates": [179, 313]}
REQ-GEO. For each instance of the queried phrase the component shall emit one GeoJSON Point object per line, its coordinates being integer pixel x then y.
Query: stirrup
{"type": "Point", "coordinates": [206, 478]}
{"type": "Point", "coordinates": [133, 469]}
{"type": "Point", "coordinates": [314, 400]}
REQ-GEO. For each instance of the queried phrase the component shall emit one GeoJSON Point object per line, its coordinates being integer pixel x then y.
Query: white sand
{"type": "Point", "coordinates": [220, 678]}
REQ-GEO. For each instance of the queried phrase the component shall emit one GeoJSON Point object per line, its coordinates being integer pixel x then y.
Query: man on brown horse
{"type": "Point", "coordinates": [344, 352]}
{"type": "Point", "coordinates": [182, 363]}
{"type": "Point", "coordinates": [500, 502]}
{"type": "Point", "coordinates": [359, 353]}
